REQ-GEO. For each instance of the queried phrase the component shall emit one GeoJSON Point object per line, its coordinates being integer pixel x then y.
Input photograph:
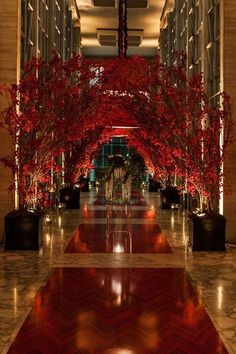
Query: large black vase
{"type": "Point", "coordinates": [169, 196]}
{"type": "Point", "coordinates": [207, 232]}
{"type": "Point", "coordinates": [70, 197]}
{"type": "Point", "coordinates": [154, 186]}
{"type": "Point", "coordinates": [23, 230]}
{"type": "Point", "coordinates": [84, 185]}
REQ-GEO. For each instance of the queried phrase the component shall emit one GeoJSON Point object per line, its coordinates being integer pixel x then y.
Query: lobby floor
{"type": "Point", "coordinates": [118, 280]}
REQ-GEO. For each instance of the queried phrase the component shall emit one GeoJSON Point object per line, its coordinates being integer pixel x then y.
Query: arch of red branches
{"type": "Point", "coordinates": [80, 161]}
{"type": "Point", "coordinates": [122, 93]}
{"type": "Point", "coordinates": [72, 108]}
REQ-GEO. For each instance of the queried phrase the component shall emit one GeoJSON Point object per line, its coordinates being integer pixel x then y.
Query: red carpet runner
{"type": "Point", "coordinates": [118, 238]}
{"type": "Point", "coordinates": [118, 311]}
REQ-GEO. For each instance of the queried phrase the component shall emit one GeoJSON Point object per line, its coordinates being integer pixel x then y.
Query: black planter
{"type": "Point", "coordinates": [84, 185]}
{"type": "Point", "coordinates": [70, 197]}
{"type": "Point", "coordinates": [154, 186]}
{"type": "Point", "coordinates": [23, 230]}
{"type": "Point", "coordinates": [169, 196]}
{"type": "Point", "coordinates": [207, 232]}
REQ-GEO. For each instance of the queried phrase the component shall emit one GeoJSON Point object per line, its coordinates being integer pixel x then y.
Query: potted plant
{"type": "Point", "coordinates": [43, 118]}
{"type": "Point", "coordinates": [32, 123]}
{"type": "Point", "coordinates": [77, 166]}
{"type": "Point", "coordinates": [170, 197]}
{"type": "Point", "coordinates": [208, 141]}
{"type": "Point", "coordinates": [164, 171]}
{"type": "Point", "coordinates": [70, 192]}
{"type": "Point", "coordinates": [199, 149]}
{"type": "Point", "coordinates": [196, 134]}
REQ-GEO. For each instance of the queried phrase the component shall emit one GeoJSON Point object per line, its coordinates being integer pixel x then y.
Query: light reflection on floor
{"type": "Point", "coordinates": [22, 274]}
{"type": "Point", "coordinates": [118, 309]}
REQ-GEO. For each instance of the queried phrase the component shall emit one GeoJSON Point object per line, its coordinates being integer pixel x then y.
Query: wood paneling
{"type": "Point", "coordinates": [228, 81]}
{"type": "Point", "coordinates": [9, 73]}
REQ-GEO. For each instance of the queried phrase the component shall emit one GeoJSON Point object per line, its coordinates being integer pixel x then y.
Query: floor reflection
{"type": "Point", "coordinates": [118, 238]}
{"type": "Point", "coordinates": [137, 198]}
{"type": "Point", "coordinates": [125, 310]}
{"type": "Point", "coordinates": [116, 213]}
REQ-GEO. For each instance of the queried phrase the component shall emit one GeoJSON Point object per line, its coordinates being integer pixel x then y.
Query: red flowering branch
{"type": "Point", "coordinates": [43, 119]}
{"type": "Point", "coordinates": [72, 106]}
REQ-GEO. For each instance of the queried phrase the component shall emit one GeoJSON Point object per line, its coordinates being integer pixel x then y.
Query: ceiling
{"type": "Point", "coordinates": [99, 23]}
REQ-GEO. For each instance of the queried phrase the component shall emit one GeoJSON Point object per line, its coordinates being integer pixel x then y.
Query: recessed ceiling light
{"type": "Point", "coordinates": [104, 3]}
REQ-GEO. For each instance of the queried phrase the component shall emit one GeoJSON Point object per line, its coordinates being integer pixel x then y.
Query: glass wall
{"type": "Point", "coordinates": [193, 26]}
{"type": "Point", "coordinates": [117, 146]}
{"type": "Point", "coordinates": [47, 25]}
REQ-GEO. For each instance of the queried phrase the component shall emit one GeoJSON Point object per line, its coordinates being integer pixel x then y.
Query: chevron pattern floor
{"type": "Point", "coordinates": [118, 238]}
{"type": "Point", "coordinates": [118, 311]}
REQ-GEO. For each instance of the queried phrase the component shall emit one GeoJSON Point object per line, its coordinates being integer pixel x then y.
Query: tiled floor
{"type": "Point", "coordinates": [137, 198]}
{"type": "Point", "coordinates": [174, 304]}
{"type": "Point", "coordinates": [118, 238]}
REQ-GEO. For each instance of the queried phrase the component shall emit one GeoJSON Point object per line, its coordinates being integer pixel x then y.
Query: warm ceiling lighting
{"type": "Point", "coordinates": [109, 36]}
{"type": "Point", "coordinates": [119, 136]}
{"type": "Point", "coordinates": [104, 3]}
{"type": "Point", "coordinates": [89, 42]}
{"type": "Point", "coordinates": [123, 127]}
{"type": "Point", "coordinates": [120, 351]}
{"type": "Point", "coordinates": [150, 42]}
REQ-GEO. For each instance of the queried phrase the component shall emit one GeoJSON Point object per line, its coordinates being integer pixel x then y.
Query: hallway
{"type": "Point", "coordinates": [118, 280]}
{"type": "Point", "coordinates": [117, 94]}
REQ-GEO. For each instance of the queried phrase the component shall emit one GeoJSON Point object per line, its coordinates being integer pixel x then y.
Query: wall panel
{"type": "Point", "coordinates": [9, 73]}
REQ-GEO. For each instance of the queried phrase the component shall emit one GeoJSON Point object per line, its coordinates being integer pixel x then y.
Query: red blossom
{"type": "Point", "coordinates": [71, 106]}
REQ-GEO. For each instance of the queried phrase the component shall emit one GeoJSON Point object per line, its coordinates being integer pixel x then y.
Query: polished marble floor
{"type": "Point", "coordinates": [23, 276]}
{"type": "Point", "coordinates": [137, 198]}
{"type": "Point", "coordinates": [114, 237]}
